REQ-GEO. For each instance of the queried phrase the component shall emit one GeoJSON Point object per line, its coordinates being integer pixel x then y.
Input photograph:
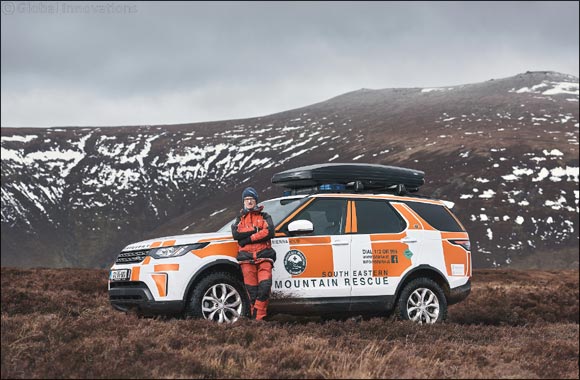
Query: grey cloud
{"type": "Point", "coordinates": [305, 51]}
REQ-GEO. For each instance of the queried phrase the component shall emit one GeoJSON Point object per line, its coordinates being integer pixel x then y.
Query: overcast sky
{"type": "Point", "coordinates": [131, 63]}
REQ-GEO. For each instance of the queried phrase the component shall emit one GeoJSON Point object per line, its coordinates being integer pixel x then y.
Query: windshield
{"type": "Point", "coordinates": [277, 208]}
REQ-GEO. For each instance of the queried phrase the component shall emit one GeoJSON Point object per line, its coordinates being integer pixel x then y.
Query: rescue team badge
{"type": "Point", "coordinates": [295, 262]}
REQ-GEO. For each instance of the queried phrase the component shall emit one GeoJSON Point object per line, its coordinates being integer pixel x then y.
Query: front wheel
{"type": "Point", "coordinates": [219, 297]}
{"type": "Point", "coordinates": [422, 301]}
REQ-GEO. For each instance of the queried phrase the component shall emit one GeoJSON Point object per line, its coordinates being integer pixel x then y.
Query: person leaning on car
{"type": "Point", "coordinates": [254, 229]}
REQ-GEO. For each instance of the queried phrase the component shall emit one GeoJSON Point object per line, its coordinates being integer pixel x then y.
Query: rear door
{"type": "Point", "coordinates": [379, 247]}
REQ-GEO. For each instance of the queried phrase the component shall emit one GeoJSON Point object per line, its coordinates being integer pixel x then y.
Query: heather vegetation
{"type": "Point", "coordinates": [57, 323]}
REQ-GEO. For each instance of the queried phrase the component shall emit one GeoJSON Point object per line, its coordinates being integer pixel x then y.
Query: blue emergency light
{"type": "Point", "coordinates": [332, 187]}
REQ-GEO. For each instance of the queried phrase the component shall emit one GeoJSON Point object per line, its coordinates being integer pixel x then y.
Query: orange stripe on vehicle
{"type": "Point", "coordinates": [310, 240]}
{"type": "Point", "coordinates": [412, 222]}
{"type": "Point", "coordinates": [454, 235]}
{"type": "Point", "coordinates": [155, 244]}
{"type": "Point", "coordinates": [354, 228]}
{"type": "Point", "coordinates": [161, 283]}
{"type": "Point", "coordinates": [454, 254]}
{"type": "Point", "coordinates": [228, 237]}
{"type": "Point", "coordinates": [348, 218]}
{"type": "Point", "coordinates": [426, 226]}
{"type": "Point", "coordinates": [289, 217]}
{"type": "Point", "coordinates": [146, 261]}
{"type": "Point", "coordinates": [421, 200]}
{"type": "Point", "coordinates": [135, 272]}
{"type": "Point", "coordinates": [390, 237]}
{"type": "Point", "coordinates": [390, 258]}
{"type": "Point", "coordinates": [319, 259]}
{"type": "Point", "coordinates": [468, 269]}
{"type": "Point", "coordinates": [223, 249]}
{"type": "Point", "coordinates": [168, 243]}
{"type": "Point", "coordinates": [165, 267]}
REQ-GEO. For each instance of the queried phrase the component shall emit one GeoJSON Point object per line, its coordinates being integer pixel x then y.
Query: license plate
{"type": "Point", "coordinates": [120, 274]}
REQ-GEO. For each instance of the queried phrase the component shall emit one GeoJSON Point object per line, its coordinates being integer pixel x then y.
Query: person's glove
{"type": "Point", "coordinates": [245, 241]}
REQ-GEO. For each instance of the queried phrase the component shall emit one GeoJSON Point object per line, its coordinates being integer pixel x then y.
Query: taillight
{"type": "Point", "coordinates": [465, 244]}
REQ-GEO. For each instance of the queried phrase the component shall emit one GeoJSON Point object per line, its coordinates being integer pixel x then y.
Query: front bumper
{"type": "Point", "coordinates": [128, 295]}
{"type": "Point", "coordinates": [459, 294]}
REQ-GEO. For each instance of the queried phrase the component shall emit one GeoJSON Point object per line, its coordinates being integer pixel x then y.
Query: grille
{"type": "Point", "coordinates": [129, 284]}
{"type": "Point", "coordinates": [135, 297]}
{"type": "Point", "coordinates": [131, 257]}
{"type": "Point", "coordinates": [129, 291]}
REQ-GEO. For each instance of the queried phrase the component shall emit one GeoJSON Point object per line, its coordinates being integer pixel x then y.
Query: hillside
{"type": "Point", "coordinates": [505, 151]}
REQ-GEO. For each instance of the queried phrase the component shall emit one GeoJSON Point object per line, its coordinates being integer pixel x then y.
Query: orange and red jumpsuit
{"type": "Point", "coordinates": [253, 230]}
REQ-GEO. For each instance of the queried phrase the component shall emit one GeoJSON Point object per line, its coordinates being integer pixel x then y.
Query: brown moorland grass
{"type": "Point", "coordinates": [57, 323]}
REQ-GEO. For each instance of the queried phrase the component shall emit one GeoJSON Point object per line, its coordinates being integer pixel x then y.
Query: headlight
{"type": "Point", "coordinates": [165, 252]}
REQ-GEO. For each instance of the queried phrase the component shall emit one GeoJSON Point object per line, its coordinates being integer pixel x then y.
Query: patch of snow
{"type": "Point", "coordinates": [510, 177]}
{"type": "Point", "coordinates": [553, 152]}
{"type": "Point", "coordinates": [487, 194]}
{"type": "Point", "coordinates": [562, 88]}
{"type": "Point", "coordinates": [217, 212]}
{"type": "Point", "coordinates": [22, 139]}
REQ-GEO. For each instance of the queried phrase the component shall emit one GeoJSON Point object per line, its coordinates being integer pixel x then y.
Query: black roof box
{"type": "Point", "coordinates": [370, 176]}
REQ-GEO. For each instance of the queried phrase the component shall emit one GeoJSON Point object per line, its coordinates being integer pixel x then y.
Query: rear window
{"type": "Point", "coordinates": [437, 216]}
{"type": "Point", "coordinates": [375, 217]}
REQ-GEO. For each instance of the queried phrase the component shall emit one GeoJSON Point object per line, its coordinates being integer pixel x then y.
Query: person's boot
{"type": "Point", "coordinates": [261, 309]}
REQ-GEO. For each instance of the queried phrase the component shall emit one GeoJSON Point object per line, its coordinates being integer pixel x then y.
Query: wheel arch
{"type": "Point", "coordinates": [220, 265]}
{"type": "Point", "coordinates": [426, 271]}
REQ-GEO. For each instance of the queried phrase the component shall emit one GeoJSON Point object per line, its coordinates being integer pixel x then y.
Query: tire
{"type": "Point", "coordinates": [220, 297]}
{"type": "Point", "coordinates": [422, 301]}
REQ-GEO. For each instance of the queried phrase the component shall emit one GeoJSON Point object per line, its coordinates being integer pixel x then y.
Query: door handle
{"type": "Point", "coordinates": [408, 240]}
{"type": "Point", "coordinates": [340, 242]}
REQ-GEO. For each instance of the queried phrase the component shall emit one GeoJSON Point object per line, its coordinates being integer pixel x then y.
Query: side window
{"type": "Point", "coordinates": [377, 216]}
{"type": "Point", "coordinates": [328, 216]}
{"type": "Point", "coordinates": [437, 216]}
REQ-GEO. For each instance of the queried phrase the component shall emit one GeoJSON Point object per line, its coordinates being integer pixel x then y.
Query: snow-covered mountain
{"type": "Point", "coordinates": [505, 151]}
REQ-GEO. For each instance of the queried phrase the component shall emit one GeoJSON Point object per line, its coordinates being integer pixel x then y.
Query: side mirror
{"type": "Point", "coordinates": [300, 227]}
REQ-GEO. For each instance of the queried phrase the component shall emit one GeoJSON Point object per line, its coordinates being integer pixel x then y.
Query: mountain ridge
{"type": "Point", "coordinates": [83, 193]}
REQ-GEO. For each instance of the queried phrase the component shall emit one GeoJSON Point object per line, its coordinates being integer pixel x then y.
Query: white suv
{"type": "Point", "coordinates": [340, 251]}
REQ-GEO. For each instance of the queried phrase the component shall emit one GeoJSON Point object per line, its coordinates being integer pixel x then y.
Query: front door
{"type": "Point", "coordinates": [314, 266]}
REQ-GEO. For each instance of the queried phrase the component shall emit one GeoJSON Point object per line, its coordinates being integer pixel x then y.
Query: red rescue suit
{"type": "Point", "coordinates": [253, 230]}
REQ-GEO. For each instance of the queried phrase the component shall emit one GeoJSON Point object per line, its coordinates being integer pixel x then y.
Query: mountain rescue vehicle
{"type": "Point", "coordinates": [351, 239]}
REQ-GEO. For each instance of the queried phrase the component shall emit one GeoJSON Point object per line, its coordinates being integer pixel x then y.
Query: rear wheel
{"type": "Point", "coordinates": [422, 301]}
{"type": "Point", "coordinates": [219, 297]}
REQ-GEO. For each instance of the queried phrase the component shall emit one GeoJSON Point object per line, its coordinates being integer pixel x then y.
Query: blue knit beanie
{"type": "Point", "coordinates": [250, 192]}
